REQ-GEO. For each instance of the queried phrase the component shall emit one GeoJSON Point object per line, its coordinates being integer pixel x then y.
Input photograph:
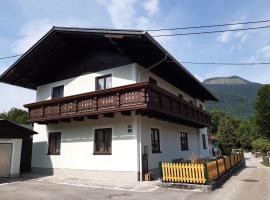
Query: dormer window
{"type": "Point", "coordinates": [57, 92]}
{"type": "Point", "coordinates": [104, 82]}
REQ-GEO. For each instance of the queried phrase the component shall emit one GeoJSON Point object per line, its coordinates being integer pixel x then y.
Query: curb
{"type": "Point", "coordinates": [206, 188]}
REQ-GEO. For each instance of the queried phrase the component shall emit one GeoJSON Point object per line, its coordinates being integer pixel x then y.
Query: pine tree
{"type": "Point", "coordinates": [263, 111]}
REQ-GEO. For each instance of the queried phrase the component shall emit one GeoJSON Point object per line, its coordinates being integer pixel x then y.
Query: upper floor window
{"type": "Point", "coordinates": [152, 81]}
{"type": "Point", "coordinates": [57, 92]}
{"type": "Point", "coordinates": [103, 141]}
{"type": "Point", "coordinates": [104, 82]}
{"type": "Point", "coordinates": [184, 141]}
{"type": "Point", "coordinates": [204, 141]}
{"type": "Point", "coordinates": [155, 140]}
{"type": "Point", "coordinates": [54, 143]}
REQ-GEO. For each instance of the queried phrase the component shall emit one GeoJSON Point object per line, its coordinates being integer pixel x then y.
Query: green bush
{"type": "Point", "coordinates": [261, 144]}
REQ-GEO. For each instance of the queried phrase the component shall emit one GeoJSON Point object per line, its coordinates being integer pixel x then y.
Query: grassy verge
{"type": "Point", "coordinates": [266, 165]}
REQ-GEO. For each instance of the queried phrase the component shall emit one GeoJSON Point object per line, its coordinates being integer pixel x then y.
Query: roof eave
{"type": "Point", "coordinates": [213, 97]}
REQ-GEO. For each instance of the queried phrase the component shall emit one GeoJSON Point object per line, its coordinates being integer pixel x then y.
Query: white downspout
{"type": "Point", "coordinates": [139, 119]}
{"type": "Point", "coordinates": [139, 122]}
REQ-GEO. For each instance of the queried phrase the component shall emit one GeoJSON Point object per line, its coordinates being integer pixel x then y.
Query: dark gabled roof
{"type": "Point", "coordinates": [10, 128]}
{"type": "Point", "coordinates": [68, 52]}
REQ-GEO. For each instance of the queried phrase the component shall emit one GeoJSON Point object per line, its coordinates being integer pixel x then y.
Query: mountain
{"type": "Point", "coordinates": [236, 95]}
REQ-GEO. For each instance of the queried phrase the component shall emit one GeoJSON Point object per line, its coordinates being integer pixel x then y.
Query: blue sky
{"type": "Point", "coordinates": [23, 22]}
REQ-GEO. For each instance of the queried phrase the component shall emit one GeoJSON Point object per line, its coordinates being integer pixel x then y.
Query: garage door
{"type": "Point", "coordinates": [5, 159]}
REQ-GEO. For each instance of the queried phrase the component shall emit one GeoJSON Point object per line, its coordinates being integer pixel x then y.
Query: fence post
{"type": "Point", "coordinates": [206, 174]}
{"type": "Point", "coordinates": [160, 171]}
{"type": "Point", "coordinates": [224, 161]}
{"type": "Point", "coordinates": [217, 167]}
{"type": "Point", "coordinates": [230, 161]}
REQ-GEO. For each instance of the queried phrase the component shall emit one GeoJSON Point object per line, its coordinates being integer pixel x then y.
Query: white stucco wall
{"type": "Point", "coordinates": [123, 75]}
{"type": "Point", "coordinates": [170, 141]}
{"type": "Point", "coordinates": [162, 83]}
{"type": "Point", "coordinates": [16, 155]}
{"type": "Point", "coordinates": [204, 152]}
{"type": "Point", "coordinates": [77, 145]}
{"type": "Point", "coordinates": [77, 137]}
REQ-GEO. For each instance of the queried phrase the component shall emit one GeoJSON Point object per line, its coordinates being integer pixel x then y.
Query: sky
{"type": "Point", "coordinates": [24, 22]}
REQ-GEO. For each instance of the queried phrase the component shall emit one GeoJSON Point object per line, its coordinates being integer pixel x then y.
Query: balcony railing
{"type": "Point", "coordinates": [147, 99]}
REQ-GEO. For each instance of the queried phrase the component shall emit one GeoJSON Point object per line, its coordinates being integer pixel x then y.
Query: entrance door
{"type": "Point", "coordinates": [5, 159]}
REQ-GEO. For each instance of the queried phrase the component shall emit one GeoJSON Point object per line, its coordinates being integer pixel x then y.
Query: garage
{"type": "Point", "coordinates": [15, 149]}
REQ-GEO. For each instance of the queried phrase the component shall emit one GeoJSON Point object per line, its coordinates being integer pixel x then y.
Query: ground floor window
{"type": "Point", "coordinates": [184, 141]}
{"type": "Point", "coordinates": [155, 140]}
{"type": "Point", "coordinates": [54, 143]}
{"type": "Point", "coordinates": [103, 141]}
{"type": "Point", "coordinates": [204, 141]}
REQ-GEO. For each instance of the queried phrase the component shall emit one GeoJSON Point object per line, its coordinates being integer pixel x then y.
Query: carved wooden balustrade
{"type": "Point", "coordinates": [145, 98]}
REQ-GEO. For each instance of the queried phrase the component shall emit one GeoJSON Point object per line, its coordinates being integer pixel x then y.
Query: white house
{"type": "Point", "coordinates": [111, 100]}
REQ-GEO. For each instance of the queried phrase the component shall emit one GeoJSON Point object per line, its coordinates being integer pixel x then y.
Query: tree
{"type": "Point", "coordinates": [226, 134]}
{"type": "Point", "coordinates": [247, 132]}
{"type": "Point", "coordinates": [263, 111]}
{"type": "Point", "coordinates": [216, 116]}
{"type": "Point", "coordinates": [261, 144]}
{"type": "Point", "coordinates": [16, 115]}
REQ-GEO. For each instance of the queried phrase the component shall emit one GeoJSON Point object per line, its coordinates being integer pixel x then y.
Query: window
{"type": "Point", "coordinates": [155, 140]}
{"type": "Point", "coordinates": [152, 81]}
{"type": "Point", "coordinates": [54, 143]}
{"type": "Point", "coordinates": [201, 106]}
{"type": "Point", "coordinates": [204, 141]}
{"type": "Point", "coordinates": [104, 82]}
{"type": "Point", "coordinates": [57, 92]}
{"type": "Point", "coordinates": [184, 141]}
{"type": "Point", "coordinates": [103, 141]}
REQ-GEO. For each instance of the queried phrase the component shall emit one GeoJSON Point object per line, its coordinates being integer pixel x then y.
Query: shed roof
{"type": "Point", "coordinates": [7, 127]}
{"type": "Point", "coordinates": [68, 52]}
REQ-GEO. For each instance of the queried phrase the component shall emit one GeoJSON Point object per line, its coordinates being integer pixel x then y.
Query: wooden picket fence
{"type": "Point", "coordinates": [184, 173]}
{"type": "Point", "coordinates": [199, 173]}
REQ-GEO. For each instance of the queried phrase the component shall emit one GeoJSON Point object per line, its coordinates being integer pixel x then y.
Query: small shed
{"type": "Point", "coordinates": [15, 148]}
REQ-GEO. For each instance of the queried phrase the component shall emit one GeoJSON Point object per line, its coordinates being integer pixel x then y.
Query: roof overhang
{"type": "Point", "coordinates": [10, 128]}
{"type": "Point", "coordinates": [68, 52]}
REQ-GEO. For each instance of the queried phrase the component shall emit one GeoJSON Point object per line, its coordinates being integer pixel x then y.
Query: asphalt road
{"type": "Point", "coordinates": [251, 183]}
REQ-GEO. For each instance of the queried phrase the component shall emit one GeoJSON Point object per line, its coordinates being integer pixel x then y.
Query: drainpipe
{"type": "Point", "coordinates": [139, 122]}
{"type": "Point", "coordinates": [151, 67]}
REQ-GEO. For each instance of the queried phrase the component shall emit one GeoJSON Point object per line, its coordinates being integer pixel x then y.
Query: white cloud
{"type": "Point", "coordinates": [265, 51]}
{"type": "Point", "coordinates": [226, 37]}
{"type": "Point", "coordinates": [15, 97]}
{"type": "Point", "coordinates": [151, 6]}
{"type": "Point", "coordinates": [122, 12]}
{"type": "Point", "coordinates": [125, 13]}
{"type": "Point", "coordinates": [30, 34]}
{"type": "Point", "coordinates": [32, 31]}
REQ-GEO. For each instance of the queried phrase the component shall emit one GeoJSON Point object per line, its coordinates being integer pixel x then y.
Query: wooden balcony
{"type": "Point", "coordinates": [145, 98]}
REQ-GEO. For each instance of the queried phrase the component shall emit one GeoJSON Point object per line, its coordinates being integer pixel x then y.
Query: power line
{"type": "Point", "coordinates": [208, 26]}
{"type": "Point", "coordinates": [209, 32]}
{"type": "Point", "coordinates": [13, 56]}
{"type": "Point", "coordinates": [190, 62]}
{"type": "Point", "coordinates": [225, 63]}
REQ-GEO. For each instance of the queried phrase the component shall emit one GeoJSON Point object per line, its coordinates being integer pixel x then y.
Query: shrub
{"type": "Point", "coordinates": [261, 144]}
